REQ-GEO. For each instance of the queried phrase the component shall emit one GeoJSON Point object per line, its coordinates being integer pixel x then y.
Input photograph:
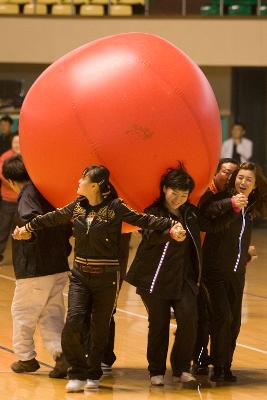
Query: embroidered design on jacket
{"type": "Point", "coordinates": [105, 214]}
{"type": "Point", "coordinates": [78, 211]}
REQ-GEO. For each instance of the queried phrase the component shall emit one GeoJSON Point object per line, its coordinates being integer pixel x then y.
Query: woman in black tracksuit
{"type": "Point", "coordinates": [225, 255]}
{"type": "Point", "coordinates": [167, 274]}
{"type": "Point", "coordinates": [97, 218]}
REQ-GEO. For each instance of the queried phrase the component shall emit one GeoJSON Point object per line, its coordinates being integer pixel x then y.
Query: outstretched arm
{"type": "Point", "coordinates": [144, 221]}
{"type": "Point", "coordinates": [53, 218]}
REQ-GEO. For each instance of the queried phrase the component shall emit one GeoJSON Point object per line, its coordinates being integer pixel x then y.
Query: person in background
{"type": "Point", "coordinates": [8, 204]}
{"type": "Point", "coordinates": [41, 270]}
{"type": "Point", "coordinates": [237, 147]}
{"type": "Point", "coordinates": [6, 134]}
{"type": "Point", "coordinates": [225, 168]}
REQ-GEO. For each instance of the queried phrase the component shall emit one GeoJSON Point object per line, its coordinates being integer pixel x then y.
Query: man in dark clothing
{"type": "Point", "coordinates": [224, 171]}
{"type": "Point", "coordinates": [41, 270]}
{"type": "Point", "coordinates": [6, 134]}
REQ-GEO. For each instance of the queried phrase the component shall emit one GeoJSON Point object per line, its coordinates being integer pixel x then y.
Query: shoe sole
{"type": "Point", "coordinates": [75, 390]}
{"type": "Point", "coordinates": [25, 371]}
{"type": "Point", "coordinates": [87, 389]}
{"type": "Point", "coordinates": [219, 380]}
{"type": "Point", "coordinates": [193, 386]}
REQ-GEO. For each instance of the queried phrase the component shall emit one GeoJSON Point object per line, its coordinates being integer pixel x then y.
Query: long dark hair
{"type": "Point", "coordinates": [258, 197]}
{"type": "Point", "coordinates": [177, 179]}
{"type": "Point", "coordinates": [100, 174]}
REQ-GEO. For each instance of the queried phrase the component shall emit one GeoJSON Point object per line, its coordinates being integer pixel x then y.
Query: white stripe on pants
{"type": "Point", "coordinates": [38, 300]}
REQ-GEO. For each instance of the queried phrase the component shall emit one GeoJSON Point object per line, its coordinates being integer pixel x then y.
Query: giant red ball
{"type": "Point", "coordinates": [132, 102]}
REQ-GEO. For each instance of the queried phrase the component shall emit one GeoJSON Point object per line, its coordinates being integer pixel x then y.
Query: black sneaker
{"type": "Point", "coordinates": [200, 369]}
{"type": "Point", "coordinates": [228, 376]}
{"type": "Point", "coordinates": [25, 366]}
{"type": "Point", "coordinates": [2, 260]}
{"type": "Point", "coordinates": [217, 375]}
{"type": "Point", "coordinates": [60, 369]}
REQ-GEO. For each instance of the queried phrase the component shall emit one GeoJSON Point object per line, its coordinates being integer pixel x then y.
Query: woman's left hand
{"type": "Point", "coordinates": [177, 232]}
{"type": "Point", "coordinates": [21, 234]}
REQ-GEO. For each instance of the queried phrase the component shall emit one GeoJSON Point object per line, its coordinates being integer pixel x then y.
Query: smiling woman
{"type": "Point", "coordinates": [225, 256]}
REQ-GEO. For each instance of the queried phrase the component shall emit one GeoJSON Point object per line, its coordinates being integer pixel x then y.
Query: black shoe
{"type": "Point", "coordinates": [25, 366]}
{"type": "Point", "coordinates": [228, 376]}
{"type": "Point", "coordinates": [200, 370]}
{"type": "Point", "coordinates": [60, 369]}
{"type": "Point", "coordinates": [217, 375]}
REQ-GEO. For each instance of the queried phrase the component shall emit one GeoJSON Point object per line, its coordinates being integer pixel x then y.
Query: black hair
{"type": "Point", "coordinates": [224, 161]}
{"type": "Point", "coordinates": [100, 174]}
{"type": "Point", "coordinates": [14, 169]}
{"type": "Point", "coordinates": [6, 118]}
{"type": "Point", "coordinates": [258, 196]}
{"type": "Point", "coordinates": [177, 179]}
{"type": "Point", "coordinates": [243, 126]}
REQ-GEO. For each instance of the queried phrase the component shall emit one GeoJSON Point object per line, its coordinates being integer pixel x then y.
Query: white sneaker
{"type": "Point", "coordinates": [91, 384]}
{"type": "Point", "coordinates": [75, 385]}
{"type": "Point", "coordinates": [157, 380]}
{"type": "Point", "coordinates": [187, 379]}
{"type": "Point", "coordinates": [106, 369]}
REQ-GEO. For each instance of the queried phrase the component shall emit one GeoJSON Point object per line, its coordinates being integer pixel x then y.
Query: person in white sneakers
{"type": "Point", "coordinates": [166, 272]}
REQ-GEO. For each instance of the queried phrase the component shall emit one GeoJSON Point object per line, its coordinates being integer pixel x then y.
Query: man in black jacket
{"type": "Point", "coordinates": [41, 270]}
{"type": "Point", "coordinates": [225, 168]}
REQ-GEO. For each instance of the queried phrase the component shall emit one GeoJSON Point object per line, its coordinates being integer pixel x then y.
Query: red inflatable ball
{"type": "Point", "coordinates": [132, 102]}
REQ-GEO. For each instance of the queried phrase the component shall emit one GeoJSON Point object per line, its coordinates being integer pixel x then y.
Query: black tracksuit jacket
{"type": "Point", "coordinates": [225, 256]}
{"type": "Point", "coordinates": [98, 242]}
{"type": "Point", "coordinates": [46, 253]}
{"type": "Point", "coordinates": [150, 250]}
{"type": "Point", "coordinates": [226, 252]}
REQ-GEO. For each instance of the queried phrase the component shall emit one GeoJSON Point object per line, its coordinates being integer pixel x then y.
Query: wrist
{"type": "Point", "coordinates": [234, 206]}
{"type": "Point", "coordinates": [170, 232]}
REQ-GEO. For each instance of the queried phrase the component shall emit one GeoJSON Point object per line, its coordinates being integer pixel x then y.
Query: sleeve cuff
{"type": "Point", "coordinates": [29, 228]}
{"type": "Point", "coordinates": [236, 209]}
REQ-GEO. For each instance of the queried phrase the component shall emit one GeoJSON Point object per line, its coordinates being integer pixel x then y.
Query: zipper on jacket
{"type": "Point", "coordinates": [241, 235]}
{"type": "Point", "coordinates": [240, 239]}
{"type": "Point", "coordinates": [159, 267]}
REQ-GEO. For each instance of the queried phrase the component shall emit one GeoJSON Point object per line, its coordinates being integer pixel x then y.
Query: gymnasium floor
{"type": "Point", "coordinates": [130, 379]}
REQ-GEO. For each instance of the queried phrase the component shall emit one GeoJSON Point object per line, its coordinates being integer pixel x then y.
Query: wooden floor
{"type": "Point", "coordinates": [130, 379]}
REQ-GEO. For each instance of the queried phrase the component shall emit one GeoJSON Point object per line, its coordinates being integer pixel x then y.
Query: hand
{"type": "Point", "coordinates": [240, 200]}
{"type": "Point", "coordinates": [253, 253]}
{"type": "Point", "coordinates": [21, 234]}
{"type": "Point", "coordinates": [177, 232]}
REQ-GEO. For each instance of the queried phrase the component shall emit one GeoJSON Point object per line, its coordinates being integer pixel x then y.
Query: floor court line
{"type": "Point", "coordinates": [172, 325]}
{"type": "Point", "coordinates": [11, 351]}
